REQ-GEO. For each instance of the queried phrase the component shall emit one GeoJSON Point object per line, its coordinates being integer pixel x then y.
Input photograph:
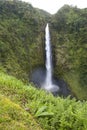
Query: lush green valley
{"type": "Point", "coordinates": [22, 38]}
{"type": "Point", "coordinates": [22, 42]}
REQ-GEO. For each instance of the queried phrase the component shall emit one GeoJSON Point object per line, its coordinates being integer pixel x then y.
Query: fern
{"type": "Point", "coordinates": [41, 112]}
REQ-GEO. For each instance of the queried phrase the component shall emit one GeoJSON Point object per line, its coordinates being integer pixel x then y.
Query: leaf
{"type": "Point", "coordinates": [40, 110]}
{"type": "Point", "coordinates": [46, 114]}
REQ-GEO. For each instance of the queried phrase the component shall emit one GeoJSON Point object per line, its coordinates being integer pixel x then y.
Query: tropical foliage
{"type": "Point", "coordinates": [21, 37]}
{"type": "Point", "coordinates": [22, 49]}
{"type": "Point", "coordinates": [22, 42]}
{"type": "Point", "coordinates": [69, 38]}
{"type": "Point", "coordinates": [18, 102]}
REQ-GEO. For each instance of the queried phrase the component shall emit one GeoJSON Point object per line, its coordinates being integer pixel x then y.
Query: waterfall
{"type": "Point", "coordinates": [48, 82]}
{"type": "Point", "coordinates": [49, 85]}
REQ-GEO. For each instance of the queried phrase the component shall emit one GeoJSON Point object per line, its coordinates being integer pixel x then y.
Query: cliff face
{"type": "Point", "coordinates": [21, 37]}
{"type": "Point", "coordinates": [69, 38]}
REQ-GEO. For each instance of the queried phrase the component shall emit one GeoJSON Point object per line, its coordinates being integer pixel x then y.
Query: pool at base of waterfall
{"type": "Point", "coordinates": [50, 87]}
{"type": "Point", "coordinates": [59, 87]}
{"type": "Point", "coordinates": [43, 78]}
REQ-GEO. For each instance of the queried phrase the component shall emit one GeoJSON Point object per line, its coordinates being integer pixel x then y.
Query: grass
{"type": "Point", "coordinates": [45, 112]}
{"type": "Point", "coordinates": [13, 117]}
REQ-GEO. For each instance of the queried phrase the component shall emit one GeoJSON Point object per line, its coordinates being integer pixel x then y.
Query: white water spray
{"type": "Point", "coordinates": [48, 82]}
{"type": "Point", "coordinates": [48, 85]}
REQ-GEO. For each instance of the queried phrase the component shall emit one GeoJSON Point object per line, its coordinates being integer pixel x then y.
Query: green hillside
{"type": "Point", "coordinates": [14, 117]}
{"type": "Point", "coordinates": [26, 108]}
{"type": "Point", "coordinates": [69, 38]}
{"type": "Point", "coordinates": [21, 37]}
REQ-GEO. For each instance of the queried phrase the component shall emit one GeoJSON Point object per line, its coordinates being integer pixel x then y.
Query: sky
{"type": "Point", "coordinates": [52, 6]}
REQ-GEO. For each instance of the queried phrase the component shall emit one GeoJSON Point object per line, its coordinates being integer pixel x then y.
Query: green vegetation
{"type": "Point", "coordinates": [21, 37]}
{"type": "Point", "coordinates": [73, 79]}
{"type": "Point", "coordinates": [69, 38]}
{"type": "Point", "coordinates": [22, 42]}
{"type": "Point", "coordinates": [18, 102]}
{"type": "Point", "coordinates": [13, 117]}
{"type": "Point", "coordinates": [23, 107]}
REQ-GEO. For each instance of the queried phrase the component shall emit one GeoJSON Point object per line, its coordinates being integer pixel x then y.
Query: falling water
{"type": "Point", "coordinates": [43, 78]}
{"type": "Point", "coordinates": [48, 85]}
{"type": "Point", "coordinates": [48, 81]}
